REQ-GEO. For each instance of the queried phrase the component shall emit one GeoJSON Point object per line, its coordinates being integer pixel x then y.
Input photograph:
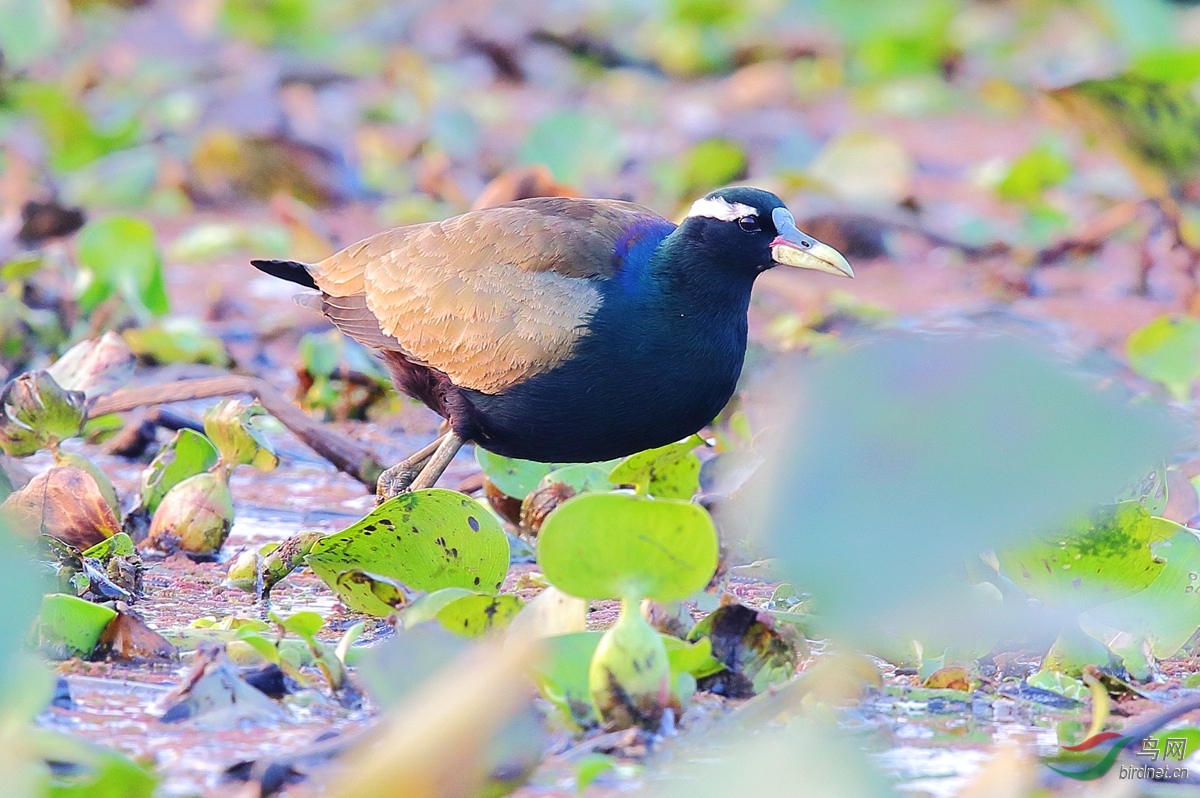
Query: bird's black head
{"type": "Point", "coordinates": [752, 229]}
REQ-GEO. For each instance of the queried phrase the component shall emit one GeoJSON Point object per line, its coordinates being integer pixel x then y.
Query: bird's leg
{"type": "Point", "coordinates": [398, 478]}
{"type": "Point", "coordinates": [446, 450]}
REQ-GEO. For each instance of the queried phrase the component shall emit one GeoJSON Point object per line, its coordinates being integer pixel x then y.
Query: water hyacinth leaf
{"type": "Point", "coordinates": [694, 658]}
{"type": "Point", "coordinates": [747, 644]}
{"type": "Point", "coordinates": [376, 594]}
{"type": "Point", "coordinates": [427, 540]}
{"type": "Point", "coordinates": [187, 454]}
{"type": "Point", "coordinates": [71, 627]}
{"type": "Point", "coordinates": [1150, 491]}
{"type": "Point", "coordinates": [893, 442]}
{"type": "Point", "coordinates": [120, 255]}
{"type": "Point", "coordinates": [73, 460]}
{"type": "Point", "coordinates": [194, 517]}
{"type": "Point", "coordinates": [35, 411]}
{"type": "Point", "coordinates": [1101, 558]}
{"type": "Point", "coordinates": [119, 545]}
{"type": "Point", "coordinates": [427, 607]}
{"type": "Point", "coordinates": [605, 545]}
{"type": "Point", "coordinates": [304, 625]}
{"type": "Point", "coordinates": [516, 478]}
{"type": "Point", "coordinates": [177, 339]}
{"type": "Point", "coordinates": [1160, 619]}
{"type": "Point", "coordinates": [1167, 350]}
{"type": "Point", "coordinates": [668, 472]}
{"type": "Point", "coordinates": [64, 503]}
{"type": "Point", "coordinates": [96, 366]}
{"type": "Point", "coordinates": [581, 477]}
{"type": "Point", "coordinates": [233, 427]}
{"type": "Point", "coordinates": [479, 613]}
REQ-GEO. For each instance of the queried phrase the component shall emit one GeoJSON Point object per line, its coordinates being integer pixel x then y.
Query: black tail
{"type": "Point", "coordinates": [288, 270]}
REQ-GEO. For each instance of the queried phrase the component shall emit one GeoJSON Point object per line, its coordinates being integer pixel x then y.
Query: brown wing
{"type": "Point", "coordinates": [490, 297]}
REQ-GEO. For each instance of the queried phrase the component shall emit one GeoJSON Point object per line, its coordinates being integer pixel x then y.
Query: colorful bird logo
{"type": "Point", "coordinates": [1113, 744]}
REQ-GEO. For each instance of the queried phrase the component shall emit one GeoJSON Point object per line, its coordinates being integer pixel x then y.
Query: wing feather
{"type": "Point", "coordinates": [490, 297]}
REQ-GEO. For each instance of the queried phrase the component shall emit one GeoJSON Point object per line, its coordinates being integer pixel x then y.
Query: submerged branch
{"type": "Point", "coordinates": [346, 454]}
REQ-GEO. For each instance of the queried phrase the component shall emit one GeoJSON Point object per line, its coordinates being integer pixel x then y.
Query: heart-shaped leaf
{"type": "Point", "coordinates": [1097, 559]}
{"type": "Point", "coordinates": [668, 472]}
{"type": "Point", "coordinates": [187, 454]}
{"type": "Point", "coordinates": [427, 540]}
{"type": "Point", "coordinates": [606, 545]}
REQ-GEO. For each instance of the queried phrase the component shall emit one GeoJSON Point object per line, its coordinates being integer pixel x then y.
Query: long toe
{"type": "Point", "coordinates": [394, 481]}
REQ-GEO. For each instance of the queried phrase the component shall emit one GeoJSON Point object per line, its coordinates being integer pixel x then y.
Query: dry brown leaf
{"type": "Point", "coordinates": [127, 637]}
{"type": "Point", "coordinates": [65, 503]}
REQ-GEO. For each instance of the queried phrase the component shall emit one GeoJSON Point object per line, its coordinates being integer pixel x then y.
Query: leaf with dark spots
{"type": "Point", "coordinates": [456, 556]}
{"type": "Point", "coordinates": [381, 595]}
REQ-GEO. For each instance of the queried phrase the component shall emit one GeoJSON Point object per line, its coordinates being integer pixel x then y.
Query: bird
{"type": "Point", "coordinates": [559, 329]}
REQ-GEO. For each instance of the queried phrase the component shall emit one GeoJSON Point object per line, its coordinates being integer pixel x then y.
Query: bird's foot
{"type": "Point", "coordinates": [396, 480]}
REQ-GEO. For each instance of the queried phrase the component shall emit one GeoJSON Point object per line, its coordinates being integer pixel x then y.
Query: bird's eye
{"type": "Point", "coordinates": [750, 224]}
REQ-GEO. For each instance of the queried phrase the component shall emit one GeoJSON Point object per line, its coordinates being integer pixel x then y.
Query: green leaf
{"type": "Point", "coordinates": [668, 472]}
{"type": "Point", "coordinates": [321, 352]}
{"type": "Point", "coordinates": [35, 412]}
{"type": "Point", "coordinates": [1167, 350]}
{"type": "Point", "coordinates": [427, 607]}
{"type": "Point", "coordinates": [474, 615]}
{"type": "Point", "coordinates": [71, 626]}
{"type": "Point", "coordinates": [695, 658]}
{"type": "Point", "coordinates": [302, 624]}
{"type": "Point", "coordinates": [1059, 683]}
{"type": "Point", "coordinates": [562, 675]}
{"type": "Point", "coordinates": [1095, 560]}
{"type": "Point", "coordinates": [756, 654]}
{"type": "Point", "coordinates": [119, 545]}
{"type": "Point", "coordinates": [176, 340]}
{"type": "Point", "coordinates": [606, 545]}
{"type": "Point", "coordinates": [712, 163]}
{"type": "Point", "coordinates": [516, 478]}
{"type": "Point", "coordinates": [582, 477]}
{"type": "Point", "coordinates": [1030, 175]}
{"type": "Point", "coordinates": [590, 768]}
{"type": "Point", "coordinates": [120, 254]}
{"type": "Point", "coordinates": [234, 428]}
{"type": "Point", "coordinates": [428, 539]}
{"type": "Point", "coordinates": [376, 594]}
{"type": "Point", "coordinates": [1160, 619]}
{"type": "Point", "coordinates": [187, 454]}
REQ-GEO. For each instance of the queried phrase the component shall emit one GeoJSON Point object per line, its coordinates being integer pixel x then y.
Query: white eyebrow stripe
{"type": "Point", "coordinates": [721, 208]}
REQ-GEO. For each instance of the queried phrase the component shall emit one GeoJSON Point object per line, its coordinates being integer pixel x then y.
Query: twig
{"type": "Point", "coordinates": [347, 455]}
